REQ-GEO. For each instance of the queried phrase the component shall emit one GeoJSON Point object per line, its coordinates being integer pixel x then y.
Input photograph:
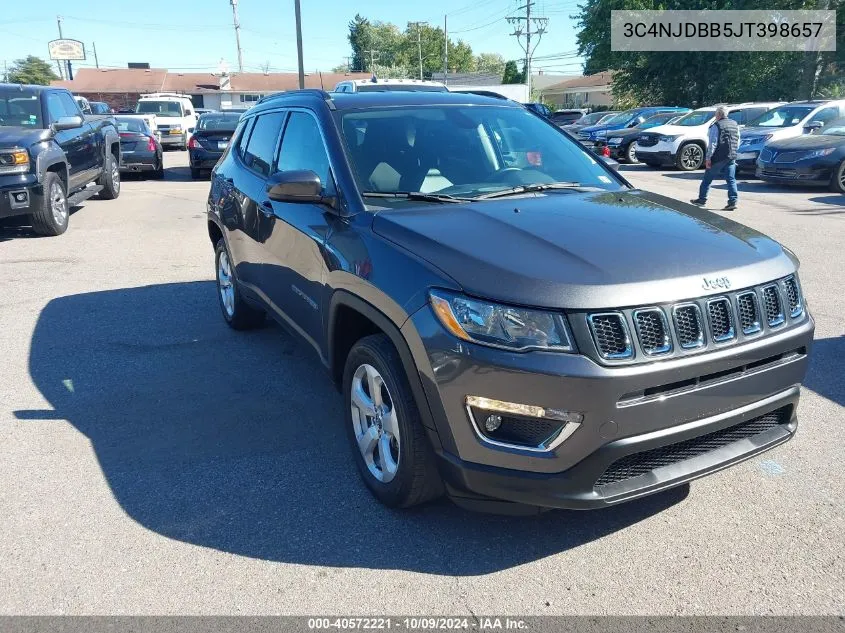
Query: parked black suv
{"type": "Point", "coordinates": [507, 318]}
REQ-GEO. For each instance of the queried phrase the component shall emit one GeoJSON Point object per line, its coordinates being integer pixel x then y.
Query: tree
{"type": "Point", "coordinates": [32, 70]}
{"type": "Point", "coordinates": [511, 75]}
{"type": "Point", "coordinates": [492, 63]}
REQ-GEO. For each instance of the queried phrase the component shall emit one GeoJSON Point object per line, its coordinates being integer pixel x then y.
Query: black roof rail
{"type": "Point", "coordinates": [482, 93]}
{"type": "Point", "coordinates": [316, 92]}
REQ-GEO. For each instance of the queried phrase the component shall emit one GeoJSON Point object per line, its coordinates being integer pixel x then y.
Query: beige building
{"type": "Point", "coordinates": [595, 90]}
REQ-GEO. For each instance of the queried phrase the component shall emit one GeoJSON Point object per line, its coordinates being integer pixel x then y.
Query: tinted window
{"type": "Point", "coordinates": [738, 116]}
{"type": "Point", "coordinates": [218, 121]}
{"type": "Point", "coordinates": [71, 107]}
{"type": "Point", "coordinates": [55, 107]}
{"type": "Point", "coordinates": [463, 151]}
{"type": "Point", "coordinates": [261, 147]}
{"type": "Point", "coordinates": [131, 125]}
{"type": "Point", "coordinates": [303, 148]}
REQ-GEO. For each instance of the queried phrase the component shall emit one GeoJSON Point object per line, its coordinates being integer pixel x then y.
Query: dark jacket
{"type": "Point", "coordinates": [728, 140]}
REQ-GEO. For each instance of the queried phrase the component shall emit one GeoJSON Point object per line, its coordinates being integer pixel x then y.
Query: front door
{"type": "Point", "coordinates": [295, 274]}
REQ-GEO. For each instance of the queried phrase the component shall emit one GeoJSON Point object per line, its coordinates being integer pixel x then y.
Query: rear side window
{"type": "Point", "coordinates": [303, 148]}
{"type": "Point", "coordinates": [261, 147]}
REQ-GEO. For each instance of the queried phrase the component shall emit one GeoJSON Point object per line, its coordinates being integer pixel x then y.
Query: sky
{"type": "Point", "coordinates": [195, 35]}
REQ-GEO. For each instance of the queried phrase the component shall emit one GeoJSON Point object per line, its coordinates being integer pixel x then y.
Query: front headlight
{"type": "Point", "coordinates": [818, 153]}
{"type": "Point", "coordinates": [498, 325]}
{"type": "Point", "coordinates": [614, 140]}
{"type": "Point", "coordinates": [667, 139]}
{"type": "Point", "coordinates": [14, 161]}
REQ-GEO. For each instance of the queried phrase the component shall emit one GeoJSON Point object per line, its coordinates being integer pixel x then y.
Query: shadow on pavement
{"type": "Point", "coordinates": [234, 441]}
{"type": "Point", "coordinates": [825, 375]}
{"type": "Point", "coordinates": [19, 227]}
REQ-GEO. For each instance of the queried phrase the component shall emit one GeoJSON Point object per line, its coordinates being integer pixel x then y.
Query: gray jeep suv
{"type": "Point", "coordinates": [509, 321]}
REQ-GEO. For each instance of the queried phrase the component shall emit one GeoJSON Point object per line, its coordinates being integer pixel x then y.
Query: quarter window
{"type": "Point", "coordinates": [261, 147]}
{"type": "Point", "coordinates": [303, 148]}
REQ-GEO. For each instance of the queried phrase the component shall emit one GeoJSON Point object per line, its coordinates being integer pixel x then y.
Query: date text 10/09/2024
{"type": "Point", "coordinates": [418, 623]}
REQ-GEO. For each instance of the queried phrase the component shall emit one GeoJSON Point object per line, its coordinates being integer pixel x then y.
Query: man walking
{"type": "Point", "coordinates": [720, 160]}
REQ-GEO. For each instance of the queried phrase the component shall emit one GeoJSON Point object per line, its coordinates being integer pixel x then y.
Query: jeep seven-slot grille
{"type": "Point", "coordinates": [611, 335]}
{"type": "Point", "coordinates": [697, 324]}
{"type": "Point", "coordinates": [642, 463]}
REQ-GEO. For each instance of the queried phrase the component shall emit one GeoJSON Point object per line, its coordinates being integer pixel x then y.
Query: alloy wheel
{"type": "Point", "coordinates": [115, 176]}
{"type": "Point", "coordinates": [58, 204]}
{"type": "Point", "coordinates": [375, 423]}
{"type": "Point", "coordinates": [225, 284]}
{"type": "Point", "coordinates": [691, 157]}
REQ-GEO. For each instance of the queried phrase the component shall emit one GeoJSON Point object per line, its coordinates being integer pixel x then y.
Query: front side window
{"type": "Point", "coordinates": [303, 148]}
{"type": "Point", "coordinates": [261, 147]}
{"type": "Point", "coordinates": [70, 106]}
{"type": "Point", "coordinates": [160, 108]}
{"type": "Point", "coordinates": [463, 151]}
{"type": "Point", "coordinates": [55, 107]}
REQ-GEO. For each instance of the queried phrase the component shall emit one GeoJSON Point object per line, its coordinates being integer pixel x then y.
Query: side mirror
{"type": "Point", "coordinates": [813, 126]}
{"type": "Point", "coordinates": [301, 185]}
{"type": "Point", "coordinates": [68, 123]}
{"type": "Point", "coordinates": [609, 162]}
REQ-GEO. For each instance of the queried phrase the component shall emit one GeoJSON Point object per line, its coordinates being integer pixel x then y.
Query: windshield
{"type": "Point", "coordinates": [836, 128]}
{"type": "Point", "coordinates": [20, 108]}
{"type": "Point", "coordinates": [464, 151]}
{"type": "Point", "coordinates": [399, 88]}
{"type": "Point", "coordinates": [622, 117]}
{"type": "Point", "coordinates": [219, 121]}
{"type": "Point", "coordinates": [592, 119]}
{"type": "Point", "coordinates": [160, 108]}
{"type": "Point", "coordinates": [784, 116]}
{"type": "Point", "coordinates": [699, 117]}
{"type": "Point", "coordinates": [658, 119]}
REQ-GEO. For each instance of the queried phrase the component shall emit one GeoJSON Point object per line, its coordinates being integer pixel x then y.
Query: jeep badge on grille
{"type": "Point", "coordinates": [716, 283]}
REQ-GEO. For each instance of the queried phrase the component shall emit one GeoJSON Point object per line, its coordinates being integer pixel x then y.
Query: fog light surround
{"type": "Point", "coordinates": [19, 199]}
{"type": "Point", "coordinates": [499, 417]}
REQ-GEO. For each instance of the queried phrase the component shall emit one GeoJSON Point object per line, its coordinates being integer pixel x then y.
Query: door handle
{"type": "Point", "coordinates": [267, 208]}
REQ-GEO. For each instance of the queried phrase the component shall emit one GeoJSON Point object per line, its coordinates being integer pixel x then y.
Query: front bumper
{"type": "Point", "coordinates": [613, 427]}
{"type": "Point", "coordinates": [15, 186]}
{"type": "Point", "coordinates": [651, 155]}
{"type": "Point", "coordinates": [817, 173]}
{"type": "Point", "coordinates": [746, 159]}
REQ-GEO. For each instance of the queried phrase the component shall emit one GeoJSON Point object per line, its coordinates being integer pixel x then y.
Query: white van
{"type": "Point", "coordinates": [385, 85]}
{"type": "Point", "coordinates": [786, 121]}
{"type": "Point", "coordinates": [175, 116]}
{"type": "Point", "coordinates": [684, 143]}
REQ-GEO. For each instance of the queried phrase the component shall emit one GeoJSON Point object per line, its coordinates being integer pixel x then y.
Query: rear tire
{"type": "Point", "coordinates": [158, 174]}
{"type": "Point", "coordinates": [109, 179]}
{"type": "Point", "coordinates": [237, 313]}
{"type": "Point", "coordinates": [53, 214]}
{"type": "Point", "coordinates": [631, 154]}
{"type": "Point", "coordinates": [390, 445]}
{"type": "Point", "coordinates": [837, 181]}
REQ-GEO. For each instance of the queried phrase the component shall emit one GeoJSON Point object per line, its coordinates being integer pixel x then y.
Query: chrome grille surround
{"type": "Point", "coordinates": [689, 325]}
{"type": "Point", "coordinates": [721, 318]}
{"type": "Point", "coordinates": [610, 333]}
{"type": "Point", "coordinates": [648, 333]}
{"type": "Point", "coordinates": [653, 331]}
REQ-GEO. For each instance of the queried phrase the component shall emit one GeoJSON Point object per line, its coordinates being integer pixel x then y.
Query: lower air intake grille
{"type": "Point", "coordinates": [642, 463]}
{"type": "Point", "coordinates": [793, 297]}
{"type": "Point", "coordinates": [774, 308]}
{"type": "Point", "coordinates": [721, 319]}
{"type": "Point", "coordinates": [689, 326]}
{"type": "Point", "coordinates": [749, 313]}
{"type": "Point", "coordinates": [611, 335]}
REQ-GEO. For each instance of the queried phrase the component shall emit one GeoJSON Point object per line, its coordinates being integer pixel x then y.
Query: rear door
{"type": "Point", "coordinates": [296, 271]}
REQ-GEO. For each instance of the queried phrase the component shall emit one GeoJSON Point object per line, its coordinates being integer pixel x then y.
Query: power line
{"type": "Point", "coordinates": [531, 26]}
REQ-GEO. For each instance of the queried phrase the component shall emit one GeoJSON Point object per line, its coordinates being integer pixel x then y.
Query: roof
{"type": "Point", "coordinates": [160, 80]}
{"type": "Point", "coordinates": [30, 87]}
{"type": "Point", "coordinates": [604, 78]}
{"type": "Point", "coordinates": [363, 100]}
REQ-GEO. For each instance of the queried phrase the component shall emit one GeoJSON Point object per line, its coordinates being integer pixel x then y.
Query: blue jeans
{"type": "Point", "coordinates": [723, 169]}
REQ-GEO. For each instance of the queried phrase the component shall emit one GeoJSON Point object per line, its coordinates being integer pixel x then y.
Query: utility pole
{"type": "Point", "coordinates": [418, 26]}
{"type": "Point", "coordinates": [445, 52]}
{"type": "Point", "coordinates": [348, 64]}
{"type": "Point", "coordinates": [299, 43]}
{"type": "Point", "coordinates": [237, 24]}
{"type": "Point", "coordinates": [96, 60]}
{"type": "Point", "coordinates": [373, 55]}
{"type": "Point", "coordinates": [531, 26]}
{"type": "Point", "coordinates": [61, 37]}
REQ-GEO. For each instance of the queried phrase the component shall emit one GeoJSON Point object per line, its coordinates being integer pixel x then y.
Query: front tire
{"type": "Point", "coordinates": [52, 216]}
{"type": "Point", "coordinates": [837, 181]}
{"type": "Point", "coordinates": [237, 313]}
{"type": "Point", "coordinates": [631, 154]}
{"type": "Point", "coordinates": [110, 179]}
{"type": "Point", "coordinates": [690, 157]}
{"type": "Point", "coordinates": [391, 449]}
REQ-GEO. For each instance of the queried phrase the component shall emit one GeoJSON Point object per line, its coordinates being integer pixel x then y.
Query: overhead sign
{"type": "Point", "coordinates": [66, 49]}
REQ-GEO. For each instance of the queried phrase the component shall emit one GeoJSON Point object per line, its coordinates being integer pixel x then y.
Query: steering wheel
{"type": "Point", "coordinates": [502, 174]}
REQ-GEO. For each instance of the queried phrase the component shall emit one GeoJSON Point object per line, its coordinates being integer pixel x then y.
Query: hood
{"type": "Point", "coordinates": [584, 250]}
{"type": "Point", "coordinates": [22, 137]}
{"type": "Point", "coordinates": [603, 128]}
{"type": "Point", "coordinates": [807, 141]}
{"type": "Point", "coordinates": [771, 132]}
{"type": "Point", "coordinates": [672, 130]}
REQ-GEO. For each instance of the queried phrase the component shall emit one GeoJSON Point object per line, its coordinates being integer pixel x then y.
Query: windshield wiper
{"type": "Point", "coordinates": [414, 195]}
{"type": "Point", "coordinates": [545, 186]}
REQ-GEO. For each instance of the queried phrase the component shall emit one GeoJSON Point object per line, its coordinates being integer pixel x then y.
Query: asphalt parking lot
{"type": "Point", "coordinates": [156, 462]}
